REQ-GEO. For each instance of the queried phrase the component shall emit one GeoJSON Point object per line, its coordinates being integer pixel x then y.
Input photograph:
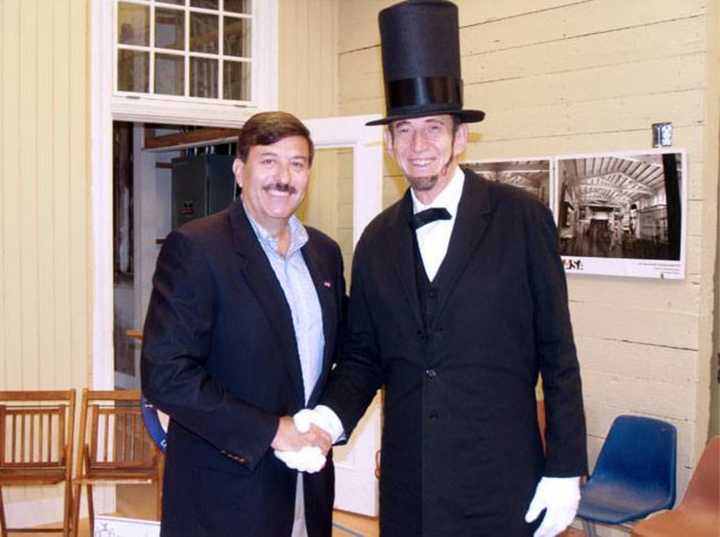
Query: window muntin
{"type": "Point", "coordinates": [199, 50]}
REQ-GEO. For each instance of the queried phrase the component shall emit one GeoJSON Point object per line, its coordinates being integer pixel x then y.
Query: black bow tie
{"type": "Point", "coordinates": [429, 215]}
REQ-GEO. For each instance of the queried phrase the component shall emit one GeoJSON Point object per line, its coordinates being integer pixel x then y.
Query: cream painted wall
{"type": "Point", "coordinates": [308, 35]}
{"type": "Point", "coordinates": [555, 77]}
{"type": "Point", "coordinates": [45, 275]}
{"type": "Point", "coordinates": [44, 241]}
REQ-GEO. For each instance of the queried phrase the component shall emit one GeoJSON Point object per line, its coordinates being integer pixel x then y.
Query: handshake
{"type": "Point", "coordinates": [303, 441]}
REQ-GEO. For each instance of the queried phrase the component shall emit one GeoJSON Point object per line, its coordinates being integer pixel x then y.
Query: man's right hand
{"type": "Point", "coordinates": [289, 438]}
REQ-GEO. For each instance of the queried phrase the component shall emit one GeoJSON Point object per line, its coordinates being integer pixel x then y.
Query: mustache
{"type": "Point", "coordinates": [280, 187]}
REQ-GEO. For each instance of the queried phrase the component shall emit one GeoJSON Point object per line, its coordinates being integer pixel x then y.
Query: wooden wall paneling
{"type": "Point", "coordinates": [27, 201]}
{"type": "Point", "coordinates": [678, 296]}
{"type": "Point", "coordinates": [344, 212]}
{"type": "Point", "coordinates": [315, 73]}
{"type": "Point", "coordinates": [571, 21]}
{"type": "Point", "coordinates": [473, 12]}
{"type": "Point", "coordinates": [63, 235]}
{"type": "Point", "coordinates": [638, 360]}
{"type": "Point", "coordinates": [47, 355]}
{"type": "Point", "coordinates": [667, 39]}
{"type": "Point", "coordinates": [79, 195]}
{"type": "Point", "coordinates": [638, 137]}
{"type": "Point", "coordinates": [358, 21]}
{"type": "Point", "coordinates": [642, 324]}
{"type": "Point", "coordinates": [3, 158]}
{"type": "Point", "coordinates": [308, 57]}
{"type": "Point", "coordinates": [656, 76]}
{"type": "Point", "coordinates": [11, 222]}
{"type": "Point", "coordinates": [633, 112]}
{"type": "Point", "coordinates": [329, 51]}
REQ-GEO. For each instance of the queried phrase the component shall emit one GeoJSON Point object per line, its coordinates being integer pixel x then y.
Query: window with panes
{"type": "Point", "coordinates": [201, 50]}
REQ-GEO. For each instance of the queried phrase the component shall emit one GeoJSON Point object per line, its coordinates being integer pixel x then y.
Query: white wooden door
{"type": "Point", "coordinates": [345, 193]}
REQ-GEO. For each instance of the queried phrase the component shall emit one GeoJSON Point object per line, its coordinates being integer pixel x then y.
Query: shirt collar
{"type": "Point", "coordinates": [298, 234]}
{"type": "Point", "coordinates": [449, 197]}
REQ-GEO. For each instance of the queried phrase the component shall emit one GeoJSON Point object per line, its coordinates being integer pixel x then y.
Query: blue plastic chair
{"type": "Point", "coordinates": [634, 474]}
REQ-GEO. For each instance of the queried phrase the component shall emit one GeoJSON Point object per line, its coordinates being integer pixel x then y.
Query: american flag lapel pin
{"type": "Point", "coordinates": [327, 284]}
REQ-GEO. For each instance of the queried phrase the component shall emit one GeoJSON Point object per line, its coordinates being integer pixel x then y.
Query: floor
{"type": "Point", "coordinates": [138, 501]}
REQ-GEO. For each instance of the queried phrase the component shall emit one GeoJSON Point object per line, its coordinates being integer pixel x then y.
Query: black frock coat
{"type": "Point", "coordinates": [220, 358]}
{"type": "Point", "coordinates": [461, 451]}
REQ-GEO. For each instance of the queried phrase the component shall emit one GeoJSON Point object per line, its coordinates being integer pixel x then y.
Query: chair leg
{"type": "Point", "coordinates": [68, 511]}
{"type": "Point", "coordinates": [589, 528]}
{"type": "Point", "coordinates": [160, 482]}
{"type": "Point", "coordinates": [77, 496]}
{"type": "Point", "coordinates": [91, 509]}
{"type": "Point", "coordinates": [3, 524]}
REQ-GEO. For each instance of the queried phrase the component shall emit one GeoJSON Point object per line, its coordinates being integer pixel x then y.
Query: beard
{"type": "Point", "coordinates": [421, 184]}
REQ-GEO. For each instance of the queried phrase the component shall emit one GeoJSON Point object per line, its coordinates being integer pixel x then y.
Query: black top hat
{"type": "Point", "coordinates": [421, 61]}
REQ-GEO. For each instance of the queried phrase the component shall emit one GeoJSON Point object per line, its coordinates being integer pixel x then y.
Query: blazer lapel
{"type": "Point", "coordinates": [470, 226]}
{"type": "Point", "coordinates": [400, 246]}
{"type": "Point", "coordinates": [261, 279]}
{"type": "Point", "coordinates": [324, 283]}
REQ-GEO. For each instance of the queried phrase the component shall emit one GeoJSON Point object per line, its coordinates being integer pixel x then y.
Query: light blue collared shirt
{"type": "Point", "coordinates": [301, 295]}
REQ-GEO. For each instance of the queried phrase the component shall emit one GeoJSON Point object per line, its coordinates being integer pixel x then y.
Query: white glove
{"type": "Point", "coordinates": [323, 417]}
{"type": "Point", "coordinates": [560, 496]}
{"type": "Point", "coordinates": [308, 459]}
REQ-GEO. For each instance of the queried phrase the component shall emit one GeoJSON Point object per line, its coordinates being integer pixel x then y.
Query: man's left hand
{"type": "Point", "coordinates": [560, 496]}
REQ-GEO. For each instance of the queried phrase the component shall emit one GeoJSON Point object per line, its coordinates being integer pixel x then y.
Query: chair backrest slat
{"type": "Point", "coordinates": [115, 434]}
{"type": "Point", "coordinates": [35, 429]}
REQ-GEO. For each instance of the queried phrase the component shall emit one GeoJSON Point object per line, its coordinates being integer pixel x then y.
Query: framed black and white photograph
{"type": "Point", "coordinates": [532, 175]}
{"type": "Point", "coordinates": [622, 214]}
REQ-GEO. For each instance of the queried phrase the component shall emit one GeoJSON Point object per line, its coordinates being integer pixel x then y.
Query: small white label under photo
{"type": "Point", "coordinates": [109, 526]}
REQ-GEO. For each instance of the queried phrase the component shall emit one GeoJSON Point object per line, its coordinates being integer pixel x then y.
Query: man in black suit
{"type": "Point", "coordinates": [239, 336]}
{"type": "Point", "coordinates": [458, 303]}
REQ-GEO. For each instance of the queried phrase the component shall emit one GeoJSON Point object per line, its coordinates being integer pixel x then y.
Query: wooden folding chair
{"type": "Point", "coordinates": [36, 439]}
{"type": "Point", "coordinates": [114, 447]}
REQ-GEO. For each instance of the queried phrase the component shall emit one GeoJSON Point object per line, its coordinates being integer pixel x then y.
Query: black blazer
{"type": "Point", "coordinates": [461, 452]}
{"type": "Point", "coordinates": [220, 358]}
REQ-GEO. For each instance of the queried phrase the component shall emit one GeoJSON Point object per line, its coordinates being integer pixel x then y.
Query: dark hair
{"type": "Point", "coordinates": [267, 128]}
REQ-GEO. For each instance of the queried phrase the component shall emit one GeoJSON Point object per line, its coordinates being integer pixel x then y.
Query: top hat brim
{"type": "Point", "coordinates": [465, 116]}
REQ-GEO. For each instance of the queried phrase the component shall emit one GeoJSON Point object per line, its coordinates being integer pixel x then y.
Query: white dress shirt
{"type": "Point", "coordinates": [434, 238]}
